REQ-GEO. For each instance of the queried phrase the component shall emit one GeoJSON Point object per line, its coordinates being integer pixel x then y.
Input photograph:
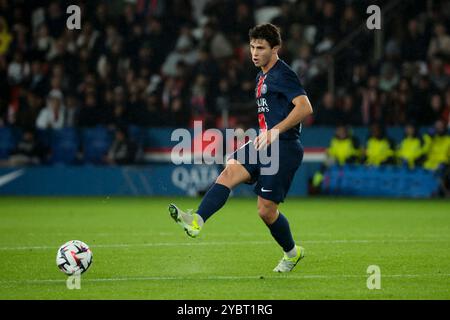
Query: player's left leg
{"type": "Point", "coordinates": [239, 169]}
{"type": "Point", "coordinates": [233, 174]}
{"type": "Point", "coordinates": [281, 232]}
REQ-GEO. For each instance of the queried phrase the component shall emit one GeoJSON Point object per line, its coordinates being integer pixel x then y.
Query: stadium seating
{"type": "Point", "coordinates": [137, 134]}
{"type": "Point", "coordinates": [44, 137]}
{"type": "Point", "coordinates": [7, 142]}
{"type": "Point", "coordinates": [96, 142]}
{"type": "Point", "coordinates": [65, 144]}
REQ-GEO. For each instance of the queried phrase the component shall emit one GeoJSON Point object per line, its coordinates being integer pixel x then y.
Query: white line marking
{"type": "Point", "coordinates": [227, 234]}
{"type": "Point", "coordinates": [155, 244]}
{"type": "Point", "coordinates": [223, 243]}
{"type": "Point", "coordinates": [254, 277]}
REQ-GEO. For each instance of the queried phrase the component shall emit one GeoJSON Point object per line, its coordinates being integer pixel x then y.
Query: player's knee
{"type": "Point", "coordinates": [226, 177]}
{"type": "Point", "coordinates": [267, 211]}
{"type": "Point", "coordinates": [229, 175]}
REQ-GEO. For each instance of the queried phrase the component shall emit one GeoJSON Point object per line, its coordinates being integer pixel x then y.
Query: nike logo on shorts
{"type": "Point", "coordinates": [264, 190]}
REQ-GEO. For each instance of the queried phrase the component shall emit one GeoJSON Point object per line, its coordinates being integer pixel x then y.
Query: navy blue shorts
{"type": "Point", "coordinates": [273, 186]}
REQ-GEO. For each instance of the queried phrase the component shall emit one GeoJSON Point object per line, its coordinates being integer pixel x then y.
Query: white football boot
{"type": "Point", "coordinates": [192, 223]}
{"type": "Point", "coordinates": [287, 264]}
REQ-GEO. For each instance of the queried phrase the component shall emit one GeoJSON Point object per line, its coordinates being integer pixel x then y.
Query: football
{"type": "Point", "coordinates": [74, 257]}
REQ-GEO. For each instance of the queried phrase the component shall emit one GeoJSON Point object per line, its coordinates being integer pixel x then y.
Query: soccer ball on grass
{"type": "Point", "coordinates": [74, 257]}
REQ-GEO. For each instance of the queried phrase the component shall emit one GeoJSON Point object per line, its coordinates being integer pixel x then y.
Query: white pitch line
{"type": "Point", "coordinates": [154, 244]}
{"type": "Point", "coordinates": [241, 233]}
{"type": "Point", "coordinates": [180, 278]}
{"type": "Point", "coordinates": [225, 243]}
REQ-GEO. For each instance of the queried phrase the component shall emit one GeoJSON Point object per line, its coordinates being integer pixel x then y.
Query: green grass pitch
{"type": "Point", "coordinates": [140, 253]}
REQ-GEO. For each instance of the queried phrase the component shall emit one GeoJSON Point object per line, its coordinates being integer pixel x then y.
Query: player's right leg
{"type": "Point", "coordinates": [233, 175]}
{"type": "Point", "coordinates": [281, 232]}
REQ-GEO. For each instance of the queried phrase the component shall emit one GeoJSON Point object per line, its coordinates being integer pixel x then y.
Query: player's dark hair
{"type": "Point", "coordinates": [269, 32]}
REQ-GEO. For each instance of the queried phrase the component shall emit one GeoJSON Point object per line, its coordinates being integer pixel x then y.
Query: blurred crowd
{"type": "Point", "coordinates": [428, 149]}
{"type": "Point", "coordinates": [167, 63]}
{"type": "Point", "coordinates": [431, 150]}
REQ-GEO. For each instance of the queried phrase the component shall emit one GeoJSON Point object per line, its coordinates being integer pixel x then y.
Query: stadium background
{"type": "Point", "coordinates": [144, 67]}
{"type": "Point", "coordinates": [90, 112]}
{"type": "Point", "coordinates": [156, 64]}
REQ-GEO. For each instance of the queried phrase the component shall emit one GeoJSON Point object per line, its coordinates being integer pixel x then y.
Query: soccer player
{"type": "Point", "coordinates": [282, 106]}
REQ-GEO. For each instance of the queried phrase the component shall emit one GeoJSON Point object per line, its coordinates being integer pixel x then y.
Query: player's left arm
{"type": "Point", "coordinates": [302, 109]}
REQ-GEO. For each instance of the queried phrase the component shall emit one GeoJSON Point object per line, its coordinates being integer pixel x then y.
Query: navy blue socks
{"type": "Point", "coordinates": [216, 197]}
{"type": "Point", "coordinates": [213, 200]}
{"type": "Point", "coordinates": [281, 232]}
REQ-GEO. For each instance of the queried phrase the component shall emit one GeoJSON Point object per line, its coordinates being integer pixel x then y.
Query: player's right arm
{"type": "Point", "coordinates": [290, 86]}
{"type": "Point", "coordinates": [302, 109]}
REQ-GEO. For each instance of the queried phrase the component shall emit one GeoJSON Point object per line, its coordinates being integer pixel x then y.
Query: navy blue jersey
{"type": "Point", "coordinates": [274, 94]}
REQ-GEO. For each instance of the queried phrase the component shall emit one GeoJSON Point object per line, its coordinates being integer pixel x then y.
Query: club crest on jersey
{"type": "Point", "coordinates": [261, 88]}
{"type": "Point", "coordinates": [264, 89]}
